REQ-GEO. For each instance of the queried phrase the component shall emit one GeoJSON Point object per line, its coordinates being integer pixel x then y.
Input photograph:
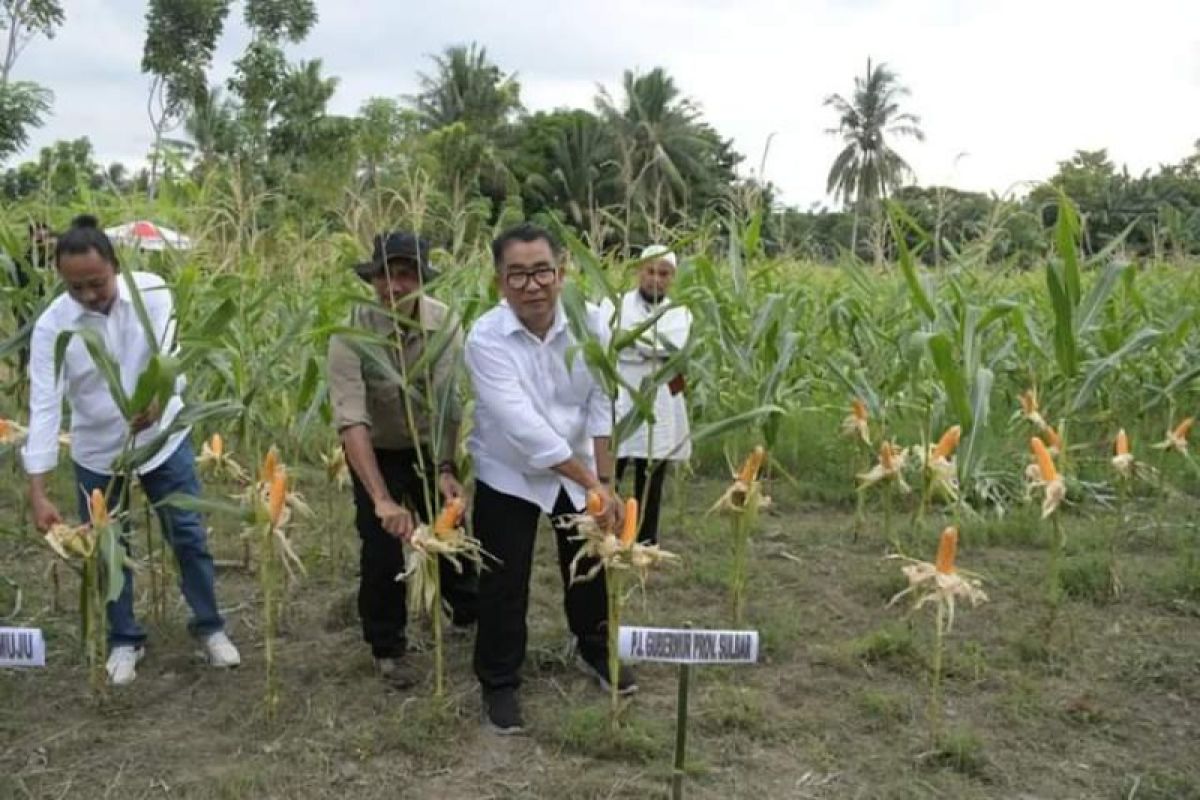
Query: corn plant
{"type": "Point", "coordinates": [98, 549]}
{"type": "Point", "coordinates": [940, 583]}
{"type": "Point", "coordinates": [612, 553]}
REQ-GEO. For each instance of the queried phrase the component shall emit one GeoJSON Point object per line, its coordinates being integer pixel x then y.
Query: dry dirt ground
{"type": "Point", "coordinates": [1104, 705]}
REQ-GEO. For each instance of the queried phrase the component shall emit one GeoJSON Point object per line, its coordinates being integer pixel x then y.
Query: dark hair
{"type": "Point", "coordinates": [83, 236]}
{"type": "Point", "coordinates": [524, 232]}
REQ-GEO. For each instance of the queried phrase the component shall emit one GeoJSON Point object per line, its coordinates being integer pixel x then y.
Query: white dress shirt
{"type": "Point", "coordinates": [533, 409]}
{"type": "Point", "coordinates": [98, 431]}
{"type": "Point", "coordinates": [669, 437]}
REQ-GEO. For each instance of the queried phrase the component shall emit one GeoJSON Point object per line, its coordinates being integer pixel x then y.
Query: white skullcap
{"type": "Point", "coordinates": [659, 251]}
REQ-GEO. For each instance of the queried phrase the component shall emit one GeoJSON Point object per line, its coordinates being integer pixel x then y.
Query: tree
{"type": "Point", "coordinates": [23, 20]}
{"type": "Point", "coordinates": [867, 168]}
{"type": "Point", "coordinates": [466, 87]}
{"type": "Point", "coordinates": [382, 127]}
{"type": "Point", "coordinates": [211, 123]}
{"type": "Point", "coordinates": [664, 151]}
{"type": "Point", "coordinates": [181, 36]}
{"type": "Point", "coordinates": [299, 109]}
{"type": "Point", "coordinates": [22, 106]}
{"type": "Point", "coordinates": [260, 72]}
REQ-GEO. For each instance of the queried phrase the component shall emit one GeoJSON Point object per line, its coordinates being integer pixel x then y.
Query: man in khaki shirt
{"type": "Point", "coordinates": [395, 405]}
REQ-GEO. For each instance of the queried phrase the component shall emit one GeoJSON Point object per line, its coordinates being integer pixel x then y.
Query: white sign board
{"type": "Point", "coordinates": [687, 646]}
{"type": "Point", "coordinates": [22, 647]}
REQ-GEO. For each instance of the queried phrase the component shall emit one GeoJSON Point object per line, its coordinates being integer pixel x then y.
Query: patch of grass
{"type": "Point", "coordinates": [1022, 699]}
{"type": "Point", "coordinates": [892, 644]}
{"type": "Point", "coordinates": [1019, 529]}
{"type": "Point", "coordinates": [880, 585]}
{"type": "Point", "coordinates": [883, 709]}
{"type": "Point", "coordinates": [1184, 582]}
{"type": "Point", "coordinates": [419, 726]}
{"type": "Point", "coordinates": [1084, 710]}
{"type": "Point", "coordinates": [1088, 577]}
{"type": "Point", "coordinates": [1167, 785]}
{"type": "Point", "coordinates": [960, 750]}
{"type": "Point", "coordinates": [736, 709]}
{"type": "Point", "coordinates": [1162, 670]}
{"type": "Point", "coordinates": [587, 731]}
{"type": "Point", "coordinates": [966, 661]}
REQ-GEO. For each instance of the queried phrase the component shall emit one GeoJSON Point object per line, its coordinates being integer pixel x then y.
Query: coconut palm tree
{"type": "Point", "coordinates": [663, 148]}
{"type": "Point", "coordinates": [867, 168]}
{"type": "Point", "coordinates": [466, 87]}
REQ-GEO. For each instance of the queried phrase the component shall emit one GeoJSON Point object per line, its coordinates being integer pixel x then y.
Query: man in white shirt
{"type": "Point", "coordinates": [651, 447]}
{"type": "Point", "coordinates": [540, 442]}
{"type": "Point", "coordinates": [98, 298]}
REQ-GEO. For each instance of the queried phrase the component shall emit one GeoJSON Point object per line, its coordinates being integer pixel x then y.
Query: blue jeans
{"type": "Point", "coordinates": [183, 530]}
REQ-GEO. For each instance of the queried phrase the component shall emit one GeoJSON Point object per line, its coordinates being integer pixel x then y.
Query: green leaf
{"type": "Point", "coordinates": [901, 223]}
{"type": "Point", "coordinates": [981, 393]}
{"type": "Point", "coordinates": [139, 307]}
{"type": "Point", "coordinates": [941, 349]}
{"type": "Point", "coordinates": [112, 556]}
{"type": "Point", "coordinates": [215, 323]}
{"type": "Point", "coordinates": [108, 367]}
{"type": "Point", "coordinates": [204, 505]}
{"type": "Point", "coordinates": [1064, 320]}
{"type": "Point", "coordinates": [308, 384]}
{"type": "Point", "coordinates": [1099, 294]}
{"type": "Point", "coordinates": [1067, 230]}
{"type": "Point", "coordinates": [1134, 344]}
{"type": "Point", "coordinates": [728, 424]}
{"type": "Point", "coordinates": [147, 386]}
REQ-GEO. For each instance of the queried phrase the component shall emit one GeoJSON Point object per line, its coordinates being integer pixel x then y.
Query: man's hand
{"type": "Point", "coordinates": [145, 419]}
{"type": "Point", "coordinates": [614, 509]}
{"type": "Point", "coordinates": [396, 519]}
{"type": "Point", "coordinates": [449, 486]}
{"type": "Point", "coordinates": [45, 515]}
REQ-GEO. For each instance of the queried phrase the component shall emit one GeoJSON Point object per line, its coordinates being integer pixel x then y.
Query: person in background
{"type": "Point", "coordinates": [397, 471]}
{"type": "Point", "coordinates": [96, 297]}
{"type": "Point", "coordinates": [655, 444]}
{"type": "Point", "coordinates": [540, 441]}
{"type": "Point", "coordinates": [33, 268]}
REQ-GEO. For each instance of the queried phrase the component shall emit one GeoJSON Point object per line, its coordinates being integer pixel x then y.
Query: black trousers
{"type": "Point", "coordinates": [382, 600]}
{"type": "Point", "coordinates": [507, 528]}
{"type": "Point", "coordinates": [649, 502]}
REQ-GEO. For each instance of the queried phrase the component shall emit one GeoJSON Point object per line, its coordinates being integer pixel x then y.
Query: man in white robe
{"type": "Point", "coordinates": [658, 442]}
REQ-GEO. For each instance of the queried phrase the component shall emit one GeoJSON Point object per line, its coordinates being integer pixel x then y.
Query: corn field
{"type": "Point", "coordinates": [780, 350]}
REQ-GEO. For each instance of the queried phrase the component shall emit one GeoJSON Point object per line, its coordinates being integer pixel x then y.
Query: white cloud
{"type": "Point", "coordinates": [1017, 85]}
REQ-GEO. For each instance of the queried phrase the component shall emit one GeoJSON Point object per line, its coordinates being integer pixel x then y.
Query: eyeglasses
{"type": "Point", "coordinates": [542, 277]}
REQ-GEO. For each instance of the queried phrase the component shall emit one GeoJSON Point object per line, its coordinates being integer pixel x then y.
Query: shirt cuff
{"type": "Point", "coordinates": [38, 462]}
{"type": "Point", "coordinates": [557, 455]}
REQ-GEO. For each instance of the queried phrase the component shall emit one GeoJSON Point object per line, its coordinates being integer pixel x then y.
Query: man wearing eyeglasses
{"type": "Point", "coordinates": [540, 442]}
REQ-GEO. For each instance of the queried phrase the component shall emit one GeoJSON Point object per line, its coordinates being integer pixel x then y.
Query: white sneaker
{"type": "Point", "coordinates": [122, 664]}
{"type": "Point", "coordinates": [219, 651]}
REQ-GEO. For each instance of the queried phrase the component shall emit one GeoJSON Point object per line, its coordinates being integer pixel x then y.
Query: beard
{"type": "Point", "coordinates": [653, 298]}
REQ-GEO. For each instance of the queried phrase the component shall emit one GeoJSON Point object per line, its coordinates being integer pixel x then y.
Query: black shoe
{"type": "Point", "coordinates": [397, 672]}
{"type": "Point", "coordinates": [597, 667]}
{"type": "Point", "coordinates": [502, 712]}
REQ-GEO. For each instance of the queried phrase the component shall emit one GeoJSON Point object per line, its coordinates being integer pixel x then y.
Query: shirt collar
{"type": "Point", "coordinates": [510, 324]}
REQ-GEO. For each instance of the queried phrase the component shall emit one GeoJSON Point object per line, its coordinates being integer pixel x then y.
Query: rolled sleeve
{"type": "Point", "coordinates": [40, 453]}
{"type": "Point", "coordinates": [499, 392]}
{"type": "Point", "coordinates": [599, 413]}
{"type": "Point", "coordinates": [347, 388]}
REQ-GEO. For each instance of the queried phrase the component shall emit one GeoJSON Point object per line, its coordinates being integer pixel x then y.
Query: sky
{"type": "Point", "coordinates": [1005, 89]}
